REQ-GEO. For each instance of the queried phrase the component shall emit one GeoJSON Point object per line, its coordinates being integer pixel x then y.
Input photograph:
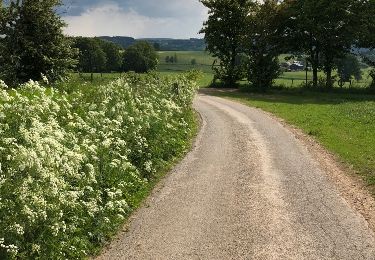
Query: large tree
{"type": "Point", "coordinates": [224, 31]}
{"type": "Point", "coordinates": [92, 58]}
{"type": "Point", "coordinates": [140, 57]}
{"type": "Point", "coordinates": [32, 42]}
{"type": "Point", "coordinates": [113, 54]}
{"type": "Point", "coordinates": [325, 30]}
{"type": "Point", "coordinates": [262, 43]}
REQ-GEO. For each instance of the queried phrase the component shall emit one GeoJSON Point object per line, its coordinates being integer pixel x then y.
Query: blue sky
{"type": "Point", "coordinates": [135, 18]}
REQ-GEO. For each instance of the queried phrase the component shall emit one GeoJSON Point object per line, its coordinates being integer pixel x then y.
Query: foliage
{"type": "Point", "coordinates": [113, 55]}
{"type": "Point", "coordinates": [92, 58]}
{"type": "Point", "coordinates": [262, 44]}
{"type": "Point", "coordinates": [348, 67]}
{"type": "Point", "coordinates": [224, 31]}
{"type": "Point", "coordinates": [32, 42]}
{"type": "Point", "coordinates": [370, 60]}
{"type": "Point", "coordinates": [70, 170]}
{"type": "Point", "coordinates": [325, 30]}
{"type": "Point", "coordinates": [140, 57]}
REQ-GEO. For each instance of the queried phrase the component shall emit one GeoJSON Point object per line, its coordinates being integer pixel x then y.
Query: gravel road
{"type": "Point", "coordinates": [248, 190]}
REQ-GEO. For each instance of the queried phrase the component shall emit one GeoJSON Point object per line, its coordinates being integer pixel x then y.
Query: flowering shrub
{"type": "Point", "coordinates": [71, 165]}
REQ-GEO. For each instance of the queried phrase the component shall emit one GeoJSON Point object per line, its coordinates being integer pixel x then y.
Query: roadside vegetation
{"type": "Point", "coordinates": [82, 142]}
{"type": "Point", "coordinates": [74, 168]}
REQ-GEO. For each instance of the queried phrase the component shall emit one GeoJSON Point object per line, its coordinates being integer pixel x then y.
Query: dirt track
{"type": "Point", "coordinates": [248, 190]}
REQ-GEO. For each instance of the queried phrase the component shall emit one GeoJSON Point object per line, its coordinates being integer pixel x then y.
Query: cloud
{"type": "Point", "coordinates": [170, 19]}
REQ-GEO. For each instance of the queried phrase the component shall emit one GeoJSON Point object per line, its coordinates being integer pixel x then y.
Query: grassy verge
{"type": "Point", "coordinates": [343, 123]}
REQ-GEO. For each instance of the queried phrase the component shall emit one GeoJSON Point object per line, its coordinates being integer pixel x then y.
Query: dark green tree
{"type": "Point", "coordinates": [141, 58]}
{"type": "Point", "coordinates": [325, 30]}
{"type": "Point", "coordinates": [262, 43]}
{"type": "Point", "coordinates": [92, 58]}
{"type": "Point", "coordinates": [32, 42]}
{"type": "Point", "coordinates": [347, 68]}
{"type": "Point", "coordinates": [224, 31]}
{"type": "Point", "coordinates": [113, 55]}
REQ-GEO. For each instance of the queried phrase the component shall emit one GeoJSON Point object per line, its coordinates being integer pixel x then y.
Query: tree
{"type": "Point", "coordinates": [224, 32]}
{"type": "Point", "coordinates": [167, 59]}
{"type": "Point", "coordinates": [347, 68]}
{"type": "Point", "coordinates": [175, 58]}
{"type": "Point", "coordinates": [325, 30]}
{"type": "Point", "coordinates": [193, 62]}
{"type": "Point", "coordinates": [261, 44]}
{"type": "Point", "coordinates": [92, 58]}
{"type": "Point", "coordinates": [371, 62]}
{"type": "Point", "coordinates": [32, 42]}
{"type": "Point", "coordinates": [113, 55]}
{"type": "Point", "coordinates": [366, 35]}
{"type": "Point", "coordinates": [141, 57]}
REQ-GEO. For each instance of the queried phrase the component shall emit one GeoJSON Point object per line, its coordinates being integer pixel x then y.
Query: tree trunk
{"type": "Point", "coordinates": [315, 75]}
{"type": "Point", "coordinates": [329, 83]}
{"type": "Point", "coordinates": [92, 76]}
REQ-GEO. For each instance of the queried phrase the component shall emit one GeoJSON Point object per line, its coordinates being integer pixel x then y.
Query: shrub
{"type": "Point", "coordinates": [71, 166]}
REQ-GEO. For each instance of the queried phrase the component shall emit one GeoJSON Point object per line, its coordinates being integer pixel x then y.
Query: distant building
{"type": "Point", "coordinates": [296, 66]}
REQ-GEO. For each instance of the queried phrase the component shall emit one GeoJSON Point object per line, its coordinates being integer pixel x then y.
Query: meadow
{"type": "Point", "coordinates": [85, 156]}
{"type": "Point", "coordinates": [204, 63]}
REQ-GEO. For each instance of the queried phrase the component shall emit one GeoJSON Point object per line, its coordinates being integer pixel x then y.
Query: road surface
{"type": "Point", "coordinates": [248, 190]}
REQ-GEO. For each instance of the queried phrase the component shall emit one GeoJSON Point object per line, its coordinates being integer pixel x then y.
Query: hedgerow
{"type": "Point", "coordinates": [72, 164]}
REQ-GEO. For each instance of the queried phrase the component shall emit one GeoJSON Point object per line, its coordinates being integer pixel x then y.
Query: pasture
{"type": "Point", "coordinates": [204, 63]}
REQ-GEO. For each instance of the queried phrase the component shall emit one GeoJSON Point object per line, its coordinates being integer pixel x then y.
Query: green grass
{"type": "Point", "coordinates": [343, 123]}
{"type": "Point", "coordinates": [102, 79]}
{"type": "Point", "coordinates": [204, 63]}
{"type": "Point", "coordinates": [205, 60]}
{"type": "Point", "coordinates": [298, 78]}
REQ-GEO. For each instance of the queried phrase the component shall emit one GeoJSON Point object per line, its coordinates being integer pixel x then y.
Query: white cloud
{"type": "Point", "coordinates": [111, 19]}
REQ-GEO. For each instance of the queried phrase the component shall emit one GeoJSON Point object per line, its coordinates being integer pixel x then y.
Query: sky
{"type": "Point", "coordinates": [180, 19]}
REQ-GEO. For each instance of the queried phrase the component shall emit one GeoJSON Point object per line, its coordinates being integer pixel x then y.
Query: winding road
{"type": "Point", "coordinates": [249, 189]}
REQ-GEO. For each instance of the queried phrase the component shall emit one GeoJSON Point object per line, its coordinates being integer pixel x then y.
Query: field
{"type": "Point", "coordinates": [204, 63]}
{"type": "Point", "coordinates": [343, 123]}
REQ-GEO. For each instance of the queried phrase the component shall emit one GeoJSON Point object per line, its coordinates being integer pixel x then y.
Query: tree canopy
{"type": "Point", "coordinates": [258, 31]}
{"type": "Point", "coordinates": [32, 42]}
{"type": "Point", "coordinates": [140, 57]}
{"type": "Point", "coordinates": [224, 32]}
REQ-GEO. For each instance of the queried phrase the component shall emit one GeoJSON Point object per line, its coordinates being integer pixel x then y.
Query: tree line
{"type": "Point", "coordinates": [34, 47]}
{"type": "Point", "coordinates": [97, 56]}
{"type": "Point", "coordinates": [248, 36]}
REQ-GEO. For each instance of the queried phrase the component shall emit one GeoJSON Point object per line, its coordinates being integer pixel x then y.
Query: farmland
{"type": "Point", "coordinates": [204, 63]}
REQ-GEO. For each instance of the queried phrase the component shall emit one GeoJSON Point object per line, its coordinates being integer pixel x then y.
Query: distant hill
{"type": "Point", "coordinates": [165, 44]}
{"type": "Point", "coordinates": [123, 41]}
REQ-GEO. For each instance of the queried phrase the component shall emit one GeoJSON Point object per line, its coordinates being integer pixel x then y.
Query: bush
{"type": "Point", "coordinates": [72, 166]}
